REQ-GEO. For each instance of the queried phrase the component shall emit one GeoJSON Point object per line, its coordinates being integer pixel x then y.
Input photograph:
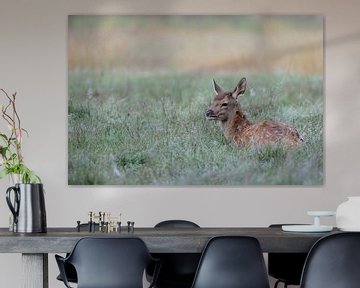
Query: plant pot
{"type": "Point", "coordinates": [348, 214]}
{"type": "Point", "coordinates": [14, 179]}
{"type": "Point", "coordinates": [27, 204]}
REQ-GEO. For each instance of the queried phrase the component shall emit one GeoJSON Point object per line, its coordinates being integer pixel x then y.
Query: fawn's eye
{"type": "Point", "coordinates": [224, 105]}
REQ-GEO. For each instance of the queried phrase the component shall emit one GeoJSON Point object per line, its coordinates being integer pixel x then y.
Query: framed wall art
{"type": "Point", "coordinates": [195, 100]}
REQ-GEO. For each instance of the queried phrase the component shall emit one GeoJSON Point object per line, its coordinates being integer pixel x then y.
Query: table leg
{"type": "Point", "coordinates": [35, 270]}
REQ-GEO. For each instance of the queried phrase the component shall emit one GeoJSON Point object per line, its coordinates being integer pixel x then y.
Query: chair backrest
{"type": "Point", "coordinates": [333, 262]}
{"type": "Point", "coordinates": [110, 262]}
{"type": "Point", "coordinates": [176, 224]}
{"type": "Point", "coordinates": [287, 267]}
{"type": "Point", "coordinates": [178, 269]}
{"type": "Point", "coordinates": [232, 262]}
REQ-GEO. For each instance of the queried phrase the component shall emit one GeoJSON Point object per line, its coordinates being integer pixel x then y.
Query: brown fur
{"type": "Point", "coordinates": [226, 109]}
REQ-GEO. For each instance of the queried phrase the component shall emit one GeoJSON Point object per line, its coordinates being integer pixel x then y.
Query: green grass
{"type": "Point", "coordinates": [150, 129]}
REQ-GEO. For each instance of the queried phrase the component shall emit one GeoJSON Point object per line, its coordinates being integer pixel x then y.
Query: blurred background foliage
{"type": "Point", "coordinates": [197, 43]}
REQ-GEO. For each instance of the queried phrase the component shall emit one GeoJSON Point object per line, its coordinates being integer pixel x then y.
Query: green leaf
{"type": "Point", "coordinates": [3, 173]}
{"type": "Point", "coordinates": [27, 133]}
{"type": "Point", "coordinates": [27, 175]}
{"type": "Point", "coordinates": [33, 177]}
{"type": "Point", "coordinates": [4, 137]}
{"type": "Point", "coordinates": [3, 151]}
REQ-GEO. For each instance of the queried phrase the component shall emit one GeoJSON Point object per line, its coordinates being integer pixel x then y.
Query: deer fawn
{"type": "Point", "coordinates": [226, 109]}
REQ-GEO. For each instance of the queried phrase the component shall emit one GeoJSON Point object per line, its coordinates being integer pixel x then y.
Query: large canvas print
{"type": "Point", "coordinates": [195, 100]}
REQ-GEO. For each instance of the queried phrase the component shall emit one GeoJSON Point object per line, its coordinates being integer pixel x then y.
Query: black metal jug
{"type": "Point", "coordinates": [28, 208]}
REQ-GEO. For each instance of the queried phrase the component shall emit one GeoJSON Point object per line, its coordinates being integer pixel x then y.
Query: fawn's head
{"type": "Point", "coordinates": [224, 102]}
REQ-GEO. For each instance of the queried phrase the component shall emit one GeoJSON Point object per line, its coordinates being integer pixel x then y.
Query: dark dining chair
{"type": "Point", "coordinates": [178, 269]}
{"type": "Point", "coordinates": [286, 267]}
{"type": "Point", "coordinates": [108, 263]}
{"type": "Point", "coordinates": [333, 262]}
{"type": "Point", "coordinates": [70, 271]}
{"type": "Point", "coordinates": [232, 262]}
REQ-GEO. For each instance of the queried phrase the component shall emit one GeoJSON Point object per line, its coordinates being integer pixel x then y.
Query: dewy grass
{"type": "Point", "coordinates": [150, 129]}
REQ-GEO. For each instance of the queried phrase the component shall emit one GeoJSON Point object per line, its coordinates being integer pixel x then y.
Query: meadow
{"type": "Point", "coordinates": [149, 128]}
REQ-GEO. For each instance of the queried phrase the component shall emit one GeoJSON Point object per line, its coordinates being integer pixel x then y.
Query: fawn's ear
{"type": "Point", "coordinates": [217, 88]}
{"type": "Point", "coordinates": [240, 88]}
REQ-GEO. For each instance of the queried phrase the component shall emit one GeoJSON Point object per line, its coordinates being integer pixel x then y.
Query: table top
{"type": "Point", "coordinates": [158, 240]}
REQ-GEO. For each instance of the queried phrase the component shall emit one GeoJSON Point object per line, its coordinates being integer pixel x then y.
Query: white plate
{"type": "Point", "coordinates": [306, 228]}
{"type": "Point", "coordinates": [350, 229]}
{"type": "Point", "coordinates": [321, 213]}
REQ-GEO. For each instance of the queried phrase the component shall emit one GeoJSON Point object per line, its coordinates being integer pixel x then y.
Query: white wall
{"type": "Point", "coordinates": [33, 62]}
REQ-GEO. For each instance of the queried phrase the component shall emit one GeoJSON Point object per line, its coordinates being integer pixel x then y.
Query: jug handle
{"type": "Point", "coordinates": [13, 208]}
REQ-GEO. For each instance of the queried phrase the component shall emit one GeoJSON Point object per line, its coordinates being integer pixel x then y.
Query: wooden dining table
{"type": "Point", "coordinates": [35, 247]}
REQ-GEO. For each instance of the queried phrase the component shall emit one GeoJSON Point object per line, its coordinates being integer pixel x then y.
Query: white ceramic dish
{"type": "Point", "coordinates": [321, 213]}
{"type": "Point", "coordinates": [350, 229]}
{"type": "Point", "coordinates": [306, 228]}
{"type": "Point", "coordinates": [316, 227]}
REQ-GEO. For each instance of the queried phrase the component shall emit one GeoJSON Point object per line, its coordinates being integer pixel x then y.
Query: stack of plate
{"type": "Point", "coordinates": [316, 227]}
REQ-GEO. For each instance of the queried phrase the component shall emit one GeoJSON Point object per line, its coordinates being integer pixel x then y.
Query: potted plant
{"type": "Point", "coordinates": [26, 197]}
{"type": "Point", "coordinates": [11, 159]}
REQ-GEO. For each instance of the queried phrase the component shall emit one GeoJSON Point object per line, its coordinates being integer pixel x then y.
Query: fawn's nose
{"type": "Point", "coordinates": [209, 113]}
